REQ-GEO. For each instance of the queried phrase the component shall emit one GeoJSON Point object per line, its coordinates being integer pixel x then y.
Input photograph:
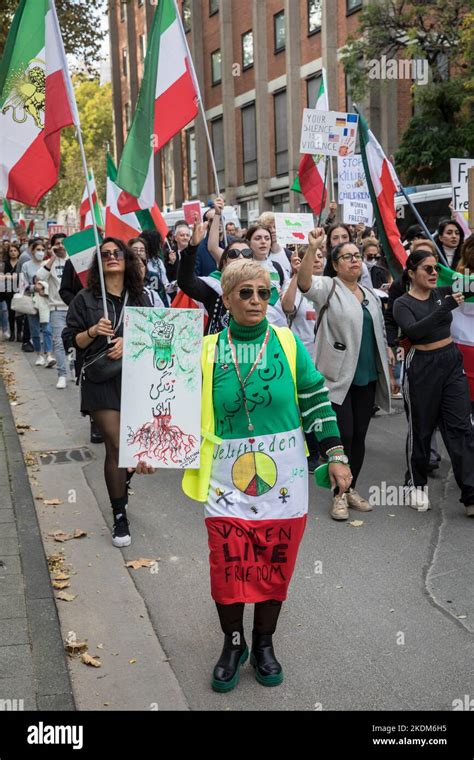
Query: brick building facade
{"type": "Point", "coordinates": [258, 63]}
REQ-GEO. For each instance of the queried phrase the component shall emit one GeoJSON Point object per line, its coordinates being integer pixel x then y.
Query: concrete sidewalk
{"type": "Point", "coordinates": [33, 671]}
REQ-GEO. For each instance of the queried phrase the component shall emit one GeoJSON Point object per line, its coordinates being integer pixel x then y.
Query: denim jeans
{"type": "Point", "coordinates": [57, 320]}
{"type": "Point", "coordinates": [4, 316]}
{"type": "Point", "coordinates": [36, 329]}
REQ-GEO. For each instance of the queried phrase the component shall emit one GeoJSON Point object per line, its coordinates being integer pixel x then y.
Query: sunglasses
{"type": "Point", "coordinates": [350, 257]}
{"type": "Point", "coordinates": [115, 254]}
{"type": "Point", "coordinates": [429, 268]}
{"type": "Point", "coordinates": [235, 254]}
{"type": "Point", "coordinates": [262, 293]}
{"type": "Point", "coordinates": [373, 258]}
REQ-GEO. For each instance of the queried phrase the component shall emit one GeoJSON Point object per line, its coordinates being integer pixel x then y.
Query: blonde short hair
{"type": "Point", "coordinates": [427, 245]}
{"type": "Point", "coordinates": [267, 218]}
{"type": "Point", "coordinates": [242, 271]}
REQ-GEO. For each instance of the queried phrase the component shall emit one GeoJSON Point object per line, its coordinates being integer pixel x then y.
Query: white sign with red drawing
{"type": "Point", "coordinates": [293, 229]}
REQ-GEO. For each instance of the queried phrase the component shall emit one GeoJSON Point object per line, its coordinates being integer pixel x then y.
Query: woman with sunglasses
{"type": "Point", "coordinates": [435, 387]}
{"type": "Point", "coordinates": [258, 384]}
{"type": "Point", "coordinates": [208, 290]}
{"type": "Point", "coordinates": [97, 338]}
{"type": "Point", "coordinates": [351, 353]}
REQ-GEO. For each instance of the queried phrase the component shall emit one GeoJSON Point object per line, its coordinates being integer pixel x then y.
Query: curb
{"type": "Point", "coordinates": [53, 685]}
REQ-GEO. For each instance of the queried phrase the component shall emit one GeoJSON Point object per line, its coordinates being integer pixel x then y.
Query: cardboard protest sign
{"type": "Point", "coordinates": [329, 133]}
{"type": "Point", "coordinates": [293, 229]}
{"type": "Point", "coordinates": [352, 185]}
{"type": "Point", "coordinates": [160, 419]}
{"type": "Point", "coordinates": [459, 177]}
{"type": "Point", "coordinates": [358, 212]}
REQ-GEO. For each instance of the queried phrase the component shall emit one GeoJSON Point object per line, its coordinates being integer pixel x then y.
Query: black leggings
{"type": "Point", "coordinates": [353, 418]}
{"type": "Point", "coordinates": [265, 617]}
{"type": "Point", "coordinates": [108, 422]}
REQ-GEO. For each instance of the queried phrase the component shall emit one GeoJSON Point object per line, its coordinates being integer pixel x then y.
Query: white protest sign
{"type": "Point", "coordinates": [329, 133]}
{"type": "Point", "coordinates": [459, 172]}
{"type": "Point", "coordinates": [352, 185]}
{"type": "Point", "coordinates": [160, 418]}
{"type": "Point", "coordinates": [293, 229]}
{"type": "Point", "coordinates": [358, 212]}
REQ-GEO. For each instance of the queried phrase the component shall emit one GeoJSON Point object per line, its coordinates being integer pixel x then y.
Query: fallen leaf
{"type": "Point", "coordinates": [61, 577]}
{"type": "Point", "coordinates": [60, 535]}
{"type": "Point", "coordinates": [87, 659]}
{"type": "Point", "coordinates": [55, 562]}
{"type": "Point", "coordinates": [132, 662]}
{"type": "Point", "coordinates": [136, 564]}
{"type": "Point", "coordinates": [390, 515]}
{"type": "Point", "coordinates": [65, 597]}
{"type": "Point", "coordinates": [462, 617]}
{"type": "Point", "coordinates": [53, 502]}
{"type": "Point", "coordinates": [356, 523]}
{"type": "Point", "coordinates": [75, 647]}
{"type": "Point", "coordinates": [60, 584]}
{"type": "Point", "coordinates": [78, 533]}
{"type": "Point", "coordinates": [100, 646]}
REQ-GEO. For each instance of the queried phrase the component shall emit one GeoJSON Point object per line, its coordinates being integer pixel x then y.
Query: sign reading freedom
{"type": "Point", "coordinates": [329, 133]}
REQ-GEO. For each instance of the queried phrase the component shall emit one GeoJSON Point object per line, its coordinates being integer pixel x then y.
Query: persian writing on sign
{"type": "Point", "coordinates": [160, 419]}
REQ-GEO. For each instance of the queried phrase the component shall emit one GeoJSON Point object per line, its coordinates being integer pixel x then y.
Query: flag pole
{"type": "Point", "coordinates": [422, 224]}
{"type": "Point", "coordinates": [324, 189]}
{"type": "Point", "coordinates": [94, 221]}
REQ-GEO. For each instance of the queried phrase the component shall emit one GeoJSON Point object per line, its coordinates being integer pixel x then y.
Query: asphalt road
{"type": "Point", "coordinates": [379, 617]}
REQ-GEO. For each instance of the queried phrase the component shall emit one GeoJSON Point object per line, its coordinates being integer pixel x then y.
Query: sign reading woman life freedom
{"type": "Point", "coordinates": [328, 133]}
{"type": "Point", "coordinates": [160, 418]}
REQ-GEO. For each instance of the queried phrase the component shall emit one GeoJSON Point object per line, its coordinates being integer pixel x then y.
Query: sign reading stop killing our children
{"type": "Point", "coordinates": [351, 182]}
{"type": "Point", "coordinates": [329, 133]}
{"type": "Point", "coordinates": [160, 417]}
{"type": "Point", "coordinates": [293, 229]}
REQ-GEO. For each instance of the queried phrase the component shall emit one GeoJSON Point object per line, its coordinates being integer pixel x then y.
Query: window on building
{"type": "Point", "coordinates": [216, 66]}
{"type": "Point", "coordinates": [281, 134]}
{"type": "Point", "coordinates": [217, 128]}
{"type": "Point", "coordinates": [247, 49]}
{"type": "Point", "coordinates": [122, 10]}
{"type": "Point", "coordinates": [279, 26]}
{"type": "Point", "coordinates": [191, 160]}
{"type": "Point", "coordinates": [128, 116]}
{"type": "Point", "coordinates": [312, 88]}
{"type": "Point", "coordinates": [249, 144]}
{"type": "Point", "coordinates": [281, 203]}
{"type": "Point", "coordinates": [314, 16]}
{"type": "Point", "coordinates": [213, 7]}
{"type": "Point", "coordinates": [353, 5]}
{"type": "Point", "coordinates": [142, 41]}
{"type": "Point", "coordinates": [125, 62]}
{"type": "Point", "coordinates": [187, 15]}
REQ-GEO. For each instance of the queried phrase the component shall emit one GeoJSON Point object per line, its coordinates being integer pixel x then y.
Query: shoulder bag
{"type": "Point", "coordinates": [99, 368]}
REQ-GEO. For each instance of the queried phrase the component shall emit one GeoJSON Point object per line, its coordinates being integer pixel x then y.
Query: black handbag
{"type": "Point", "coordinates": [99, 368]}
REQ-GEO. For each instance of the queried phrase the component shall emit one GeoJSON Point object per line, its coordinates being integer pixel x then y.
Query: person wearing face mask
{"type": "Point", "coordinates": [449, 238]}
{"type": "Point", "coordinates": [351, 353]}
{"type": "Point", "coordinates": [374, 260]}
{"type": "Point", "coordinates": [51, 273]}
{"type": "Point", "coordinates": [39, 324]}
{"type": "Point", "coordinates": [435, 386]}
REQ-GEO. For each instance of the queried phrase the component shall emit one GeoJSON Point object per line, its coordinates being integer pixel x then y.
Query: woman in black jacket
{"type": "Point", "coordinates": [99, 341]}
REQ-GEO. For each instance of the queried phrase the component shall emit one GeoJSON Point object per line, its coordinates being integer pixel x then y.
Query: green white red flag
{"type": "Point", "coordinates": [85, 212]}
{"type": "Point", "coordinates": [462, 326]}
{"type": "Point", "coordinates": [311, 173]}
{"type": "Point", "coordinates": [36, 102]}
{"type": "Point", "coordinates": [7, 212]}
{"type": "Point", "coordinates": [168, 100]}
{"type": "Point", "coordinates": [383, 183]}
{"type": "Point", "coordinates": [81, 249]}
{"type": "Point", "coordinates": [31, 228]}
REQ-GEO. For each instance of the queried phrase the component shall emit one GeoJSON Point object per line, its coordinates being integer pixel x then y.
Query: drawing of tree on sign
{"type": "Point", "coordinates": [161, 440]}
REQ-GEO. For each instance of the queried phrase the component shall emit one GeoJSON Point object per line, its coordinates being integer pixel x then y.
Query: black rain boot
{"type": "Point", "coordinates": [226, 674]}
{"type": "Point", "coordinates": [268, 670]}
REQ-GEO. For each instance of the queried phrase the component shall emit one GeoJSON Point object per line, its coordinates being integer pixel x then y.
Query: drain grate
{"type": "Point", "coordinates": [67, 456]}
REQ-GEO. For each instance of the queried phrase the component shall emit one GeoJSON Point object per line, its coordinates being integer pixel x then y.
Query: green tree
{"type": "Point", "coordinates": [80, 26]}
{"type": "Point", "coordinates": [95, 110]}
{"type": "Point", "coordinates": [440, 32]}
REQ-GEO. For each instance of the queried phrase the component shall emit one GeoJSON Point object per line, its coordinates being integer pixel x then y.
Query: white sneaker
{"type": "Point", "coordinates": [416, 498]}
{"type": "Point", "coordinates": [40, 362]}
{"type": "Point", "coordinates": [50, 361]}
{"type": "Point", "coordinates": [62, 382]}
{"type": "Point", "coordinates": [6, 335]}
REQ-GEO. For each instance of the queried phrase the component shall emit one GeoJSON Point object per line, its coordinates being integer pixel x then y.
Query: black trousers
{"type": "Point", "coordinates": [353, 418]}
{"type": "Point", "coordinates": [436, 393]}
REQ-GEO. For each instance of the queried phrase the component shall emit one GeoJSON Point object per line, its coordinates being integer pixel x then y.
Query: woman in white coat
{"type": "Point", "coordinates": [351, 353]}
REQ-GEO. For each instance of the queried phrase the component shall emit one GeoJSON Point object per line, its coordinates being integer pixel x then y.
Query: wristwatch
{"type": "Point", "coordinates": [340, 458]}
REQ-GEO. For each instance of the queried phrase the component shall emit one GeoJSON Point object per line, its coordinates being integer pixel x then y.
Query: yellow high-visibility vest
{"type": "Point", "coordinates": [196, 482]}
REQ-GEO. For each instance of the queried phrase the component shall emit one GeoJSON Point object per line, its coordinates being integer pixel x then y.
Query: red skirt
{"type": "Point", "coordinates": [252, 560]}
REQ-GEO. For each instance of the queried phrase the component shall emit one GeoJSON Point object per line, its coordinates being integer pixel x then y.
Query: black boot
{"type": "Point", "coordinates": [226, 674]}
{"type": "Point", "coordinates": [268, 670]}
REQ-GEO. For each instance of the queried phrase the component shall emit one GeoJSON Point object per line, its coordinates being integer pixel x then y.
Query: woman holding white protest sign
{"type": "Point", "coordinates": [351, 352]}
{"type": "Point", "coordinates": [253, 474]}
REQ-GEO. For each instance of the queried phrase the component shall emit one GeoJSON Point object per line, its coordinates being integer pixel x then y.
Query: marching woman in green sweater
{"type": "Point", "coordinates": [260, 392]}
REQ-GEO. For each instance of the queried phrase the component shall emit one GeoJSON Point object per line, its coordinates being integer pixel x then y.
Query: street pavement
{"type": "Point", "coordinates": [380, 616]}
